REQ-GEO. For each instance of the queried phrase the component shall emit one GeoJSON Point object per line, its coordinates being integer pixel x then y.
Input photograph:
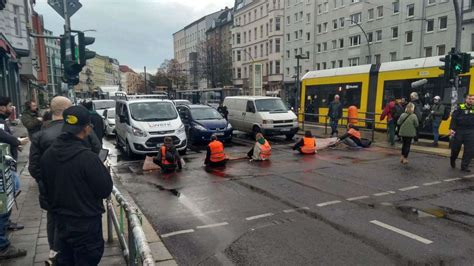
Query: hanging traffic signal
{"type": "Point", "coordinates": [448, 74]}
{"type": "Point", "coordinates": [82, 53]}
{"type": "Point", "coordinates": [466, 62]}
{"type": "Point", "coordinates": [456, 63]}
{"type": "Point", "coordinates": [70, 69]}
{"type": "Point", "coordinates": [3, 4]}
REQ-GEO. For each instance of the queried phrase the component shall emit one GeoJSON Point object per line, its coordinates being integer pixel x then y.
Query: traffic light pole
{"type": "Point", "coordinates": [67, 32]}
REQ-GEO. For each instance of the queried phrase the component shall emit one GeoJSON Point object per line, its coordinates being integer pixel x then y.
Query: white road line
{"type": "Point", "coordinates": [408, 188]}
{"type": "Point", "coordinates": [357, 198]}
{"type": "Point", "coordinates": [452, 179]}
{"type": "Point", "coordinates": [384, 193]}
{"type": "Point", "coordinates": [328, 203]}
{"type": "Point", "coordinates": [211, 225]}
{"type": "Point", "coordinates": [468, 176]}
{"type": "Point", "coordinates": [432, 183]}
{"type": "Point", "coordinates": [402, 232]}
{"type": "Point", "coordinates": [296, 209]}
{"type": "Point", "coordinates": [178, 233]}
{"type": "Point", "coordinates": [259, 216]}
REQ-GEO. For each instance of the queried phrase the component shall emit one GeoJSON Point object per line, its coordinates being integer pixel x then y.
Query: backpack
{"type": "Point", "coordinates": [396, 111]}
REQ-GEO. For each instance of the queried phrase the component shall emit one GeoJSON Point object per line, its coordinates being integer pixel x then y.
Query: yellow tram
{"type": "Point", "coordinates": [370, 86]}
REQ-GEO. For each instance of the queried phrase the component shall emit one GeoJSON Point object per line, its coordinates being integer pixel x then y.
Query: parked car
{"type": "Point", "coordinates": [255, 114]}
{"type": "Point", "coordinates": [181, 102]}
{"type": "Point", "coordinates": [109, 121]}
{"type": "Point", "coordinates": [143, 121]}
{"type": "Point", "coordinates": [101, 105]}
{"type": "Point", "coordinates": [201, 121]}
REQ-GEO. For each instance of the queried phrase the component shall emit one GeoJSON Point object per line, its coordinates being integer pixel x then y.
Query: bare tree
{"type": "Point", "coordinates": [214, 63]}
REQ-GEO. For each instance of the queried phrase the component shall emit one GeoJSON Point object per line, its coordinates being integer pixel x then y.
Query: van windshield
{"type": "Point", "coordinates": [153, 111]}
{"type": "Point", "coordinates": [270, 105]}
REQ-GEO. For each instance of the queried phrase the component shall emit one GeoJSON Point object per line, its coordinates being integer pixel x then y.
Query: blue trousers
{"type": "Point", "coordinates": [334, 123]}
{"type": "Point", "coordinates": [436, 123]}
{"type": "Point", "coordinates": [4, 221]}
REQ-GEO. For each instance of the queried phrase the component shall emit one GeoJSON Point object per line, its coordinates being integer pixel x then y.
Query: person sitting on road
{"type": "Point", "coordinates": [168, 158]}
{"type": "Point", "coordinates": [353, 138]}
{"type": "Point", "coordinates": [261, 151]}
{"type": "Point", "coordinates": [215, 156]}
{"type": "Point", "coordinates": [307, 144]}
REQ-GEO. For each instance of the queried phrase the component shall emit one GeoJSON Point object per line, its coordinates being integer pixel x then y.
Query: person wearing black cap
{"type": "Point", "coordinates": [96, 120]}
{"type": "Point", "coordinates": [76, 183]}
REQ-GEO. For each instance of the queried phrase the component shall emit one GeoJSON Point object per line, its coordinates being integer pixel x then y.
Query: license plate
{"type": "Point", "coordinates": [219, 134]}
{"type": "Point", "coordinates": [285, 130]}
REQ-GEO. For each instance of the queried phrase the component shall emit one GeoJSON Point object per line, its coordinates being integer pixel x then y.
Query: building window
{"type": "Point", "coordinates": [441, 49]}
{"type": "Point", "coordinates": [288, 20]}
{"type": "Point", "coordinates": [430, 25]}
{"type": "Point", "coordinates": [379, 11]}
{"type": "Point", "coordinates": [334, 44]}
{"type": "Point", "coordinates": [277, 45]}
{"type": "Point", "coordinates": [287, 71]}
{"type": "Point", "coordinates": [277, 24]}
{"type": "Point", "coordinates": [288, 54]}
{"type": "Point", "coordinates": [320, 28]}
{"type": "Point", "coordinates": [239, 73]}
{"type": "Point", "coordinates": [296, 35]}
{"type": "Point", "coordinates": [396, 7]}
{"type": "Point", "coordinates": [333, 64]}
{"type": "Point", "coordinates": [324, 65]}
{"type": "Point", "coordinates": [394, 32]}
{"type": "Point", "coordinates": [239, 56]}
{"type": "Point", "coordinates": [443, 23]}
{"type": "Point", "coordinates": [16, 20]}
{"type": "Point", "coordinates": [288, 37]}
{"type": "Point", "coordinates": [378, 59]}
{"type": "Point", "coordinates": [411, 10]}
{"type": "Point", "coordinates": [356, 18]}
{"type": "Point", "coordinates": [370, 37]}
{"type": "Point", "coordinates": [238, 38]}
{"type": "Point", "coordinates": [341, 22]}
{"type": "Point", "coordinates": [378, 35]}
{"type": "Point", "coordinates": [308, 17]}
{"type": "Point", "coordinates": [354, 61]}
{"type": "Point", "coordinates": [325, 27]}
{"type": "Point", "coordinates": [409, 37]}
{"type": "Point", "coordinates": [428, 51]}
{"type": "Point", "coordinates": [325, 46]}
{"type": "Point", "coordinates": [261, 31]}
{"type": "Point", "coordinates": [393, 56]}
{"type": "Point", "coordinates": [354, 40]}
{"type": "Point", "coordinates": [368, 60]}
{"type": "Point", "coordinates": [334, 24]}
{"type": "Point", "coordinates": [431, 2]}
{"type": "Point", "coordinates": [371, 13]}
{"type": "Point", "coordinates": [341, 63]}
{"type": "Point", "coordinates": [341, 43]}
{"type": "Point", "coordinates": [277, 67]}
{"type": "Point", "coordinates": [261, 50]}
{"type": "Point", "coordinates": [319, 47]}
{"type": "Point", "coordinates": [255, 33]}
{"type": "Point", "coordinates": [308, 36]}
{"type": "Point", "coordinates": [318, 66]}
{"type": "Point", "coordinates": [271, 46]}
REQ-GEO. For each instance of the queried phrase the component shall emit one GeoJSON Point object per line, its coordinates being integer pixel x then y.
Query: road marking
{"type": "Point", "coordinates": [432, 183]}
{"type": "Point", "coordinates": [212, 225]}
{"type": "Point", "coordinates": [259, 216]}
{"type": "Point", "coordinates": [178, 233]}
{"type": "Point", "coordinates": [357, 198]}
{"type": "Point", "coordinates": [402, 232]}
{"type": "Point", "coordinates": [408, 188]}
{"type": "Point", "coordinates": [468, 176]}
{"type": "Point", "coordinates": [452, 179]}
{"type": "Point", "coordinates": [296, 209]}
{"type": "Point", "coordinates": [328, 203]}
{"type": "Point", "coordinates": [384, 193]}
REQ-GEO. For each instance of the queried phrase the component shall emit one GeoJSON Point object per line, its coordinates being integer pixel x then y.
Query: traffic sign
{"type": "Point", "coordinates": [72, 6]}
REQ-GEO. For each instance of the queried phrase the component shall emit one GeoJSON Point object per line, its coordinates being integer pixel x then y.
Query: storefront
{"type": "Point", "coordinates": [9, 72]}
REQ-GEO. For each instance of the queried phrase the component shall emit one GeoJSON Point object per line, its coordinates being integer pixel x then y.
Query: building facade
{"type": "Point", "coordinates": [131, 82]}
{"type": "Point", "coordinates": [53, 53]}
{"type": "Point", "coordinates": [257, 46]}
{"type": "Point", "coordinates": [99, 71]}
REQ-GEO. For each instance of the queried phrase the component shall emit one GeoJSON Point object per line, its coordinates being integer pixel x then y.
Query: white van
{"type": "Point", "coordinates": [268, 115]}
{"type": "Point", "coordinates": [143, 121]}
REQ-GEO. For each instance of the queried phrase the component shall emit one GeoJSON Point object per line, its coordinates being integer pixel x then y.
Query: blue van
{"type": "Point", "coordinates": [201, 121]}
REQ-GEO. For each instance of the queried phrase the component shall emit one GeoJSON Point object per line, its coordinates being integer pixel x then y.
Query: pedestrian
{"type": "Point", "coordinates": [409, 123]}
{"type": "Point", "coordinates": [30, 118]}
{"type": "Point", "coordinates": [436, 117]}
{"type": "Point", "coordinates": [400, 105]}
{"type": "Point", "coordinates": [307, 144]}
{"type": "Point", "coordinates": [223, 110]}
{"type": "Point", "coordinates": [215, 156]}
{"type": "Point", "coordinates": [39, 144]}
{"type": "Point", "coordinates": [461, 130]}
{"type": "Point", "coordinates": [261, 151]}
{"type": "Point", "coordinates": [168, 158]}
{"type": "Point", "coordinates": [96, 120]}
{"type": "Point", "coordinates": [76, 182]}
{"type": "Point", "coordinates": [418, 111]}
{"type": "Point", "coordinates": [389, 112]}
{"type": "Point", "coordinates": [353, 138]}
{"type": "Point", "coordinates": [8, 251]}
{"type": "Point", "coordinates": [334, 114]}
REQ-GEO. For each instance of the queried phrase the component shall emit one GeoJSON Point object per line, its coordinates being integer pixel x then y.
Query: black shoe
{"type": "Point", "coordinates": [467, 170]}
{"type": "Point", "coordinates": [12, 252]}
{"type": "Point", "coordinates": [15, 227]}
{"type": "Point", "coordinates": [453, 163]}
{"type": "Point", "coordinates": [435, 144]}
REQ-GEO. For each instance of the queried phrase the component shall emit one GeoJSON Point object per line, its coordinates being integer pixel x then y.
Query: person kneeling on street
{"type": "Point", "coordinates": [168, 158]}
{"type": "Point", "coordinates": [261, 151]}
{"type": "Point", "coordinates": [306, 145]}
{"type": "Point", "coordinates": [353, 138]}
{"type": "Point", "coordinates": [215, 156]}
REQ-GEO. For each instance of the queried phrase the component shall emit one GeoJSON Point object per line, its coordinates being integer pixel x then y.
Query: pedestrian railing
{"type": "Point", "coordinates": [132, 240]}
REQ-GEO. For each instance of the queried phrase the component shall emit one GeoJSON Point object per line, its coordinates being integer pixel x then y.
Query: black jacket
{"type": "Point", "coordinates": [335, 110]}
{"type": "Point", "coordinates": [98, 124]}
{"type": "Point", "coordinates": [76, 180]}
{"type": "Point", "coordinates": [7, 137]}
{"type": "Point", "coordinates": [30, 120]}
{"type": "Point", "coordinates": [462, 118]}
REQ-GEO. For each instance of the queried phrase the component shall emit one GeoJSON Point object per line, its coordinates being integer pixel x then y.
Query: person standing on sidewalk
{"type": "Point", "coordinates": [462, 132]}
{"type": "Point", "coordinates": [30, 118]}
{"type": "Point", "coordinates": [7, 251]}
{"type": "Point", "coordinates": [408, 122]}
{"type": "Point", "coordinates": [436, 117]}
{"type": "Point", "coordinates": [76, 183]}
{"type": "Point", "coordinates": [334, 114]}
{"type": "Point", "coordinates": [39, 144]}
{"type": "Point", "coordinates": [389, 112]}
{"type": "Point", "coordinates": [418, 111]}
{"type": "Point", "coordinates": [96, 120]}
{"type": "Point", "coordinates": [400, 106]}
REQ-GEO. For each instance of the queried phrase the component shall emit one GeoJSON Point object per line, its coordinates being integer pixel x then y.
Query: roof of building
{"type": "Point", "coordinates": [125, 69]}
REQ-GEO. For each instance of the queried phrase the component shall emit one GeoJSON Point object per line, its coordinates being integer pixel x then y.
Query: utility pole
{"type": "Point", "coordinates": [298, 83]}
{"type": "Point", "coordinates": [455, 88]}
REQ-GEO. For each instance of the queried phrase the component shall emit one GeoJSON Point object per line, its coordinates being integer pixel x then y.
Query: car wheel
{"type": "Point", "coordinates": [183, 152]}
{"type": "Point", "coordinates": [117, 142]}
{"type": "Point", "coordinates": [290, 136]}
{"type": "Point", "coordinates": [191, 140]}
{"type": "Point", "coordinates": [128, 151]}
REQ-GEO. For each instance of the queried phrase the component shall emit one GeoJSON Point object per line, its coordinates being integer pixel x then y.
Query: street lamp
{"type": "Point", "coordinates": [298, 83]}
{"type": "Point", "coordinates": [365, 34]}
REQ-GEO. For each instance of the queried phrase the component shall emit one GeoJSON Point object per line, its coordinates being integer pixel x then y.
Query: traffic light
{"type": "Point", "coordinates": [74, 56]}
{"type": "Point", "coordinates": [466, 62]}
{"type": "Point", "coordinates": [448, 74]}
{"type": "Point", "coordinates": [456, 63]}
{"type": "Point", "coordinates": [82, 55]}
{"type": "Point", "coordinates": [3, 4]}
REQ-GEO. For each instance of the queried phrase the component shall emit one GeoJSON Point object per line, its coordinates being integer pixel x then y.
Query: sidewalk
{"type": "Point", "coordinates": [34, 238]}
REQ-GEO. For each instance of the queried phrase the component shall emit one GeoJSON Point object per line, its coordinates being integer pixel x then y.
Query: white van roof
{"type": "Point", "coordinates": [251, 97]}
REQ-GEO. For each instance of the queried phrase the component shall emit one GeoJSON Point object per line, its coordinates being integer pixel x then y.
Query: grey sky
{"type": "Point", "coordinates": [136, 32]}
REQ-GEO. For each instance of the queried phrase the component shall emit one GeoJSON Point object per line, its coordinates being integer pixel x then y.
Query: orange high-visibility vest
{"type": "Point", "coordinates": [217, 151]}
{"type": "Point", "coordinates": [309, 146]}
{"type": "Point", "coordinates": [352, 114]}
{"type": "Point", "coordinates": [163, 156]}
{"type": "Point", "coordinates": [265, 151]}
{"type": "Point", "coordinates": [354, 133]}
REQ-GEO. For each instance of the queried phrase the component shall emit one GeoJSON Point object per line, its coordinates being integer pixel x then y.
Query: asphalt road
{"type": "Point", "coordinates": [339, 207]}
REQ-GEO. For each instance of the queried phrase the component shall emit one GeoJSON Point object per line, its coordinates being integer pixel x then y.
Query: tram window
{"type": "Point", "coordinates": [350, 94]}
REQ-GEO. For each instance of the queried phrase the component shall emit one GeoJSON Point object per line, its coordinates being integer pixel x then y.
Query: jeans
{"type": "Point", "coordinates": [4, 221]}
{"type": "Point", "coordinates": [334, 123]}
{"type": "Point", "coordinates": [391, 131]}
{"type": "Point", "coordinates": [406, 146]}
{"type": "Point", "coordinates": [16, 182]}
{"type": "Point", "coordinates": [436, 123]}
